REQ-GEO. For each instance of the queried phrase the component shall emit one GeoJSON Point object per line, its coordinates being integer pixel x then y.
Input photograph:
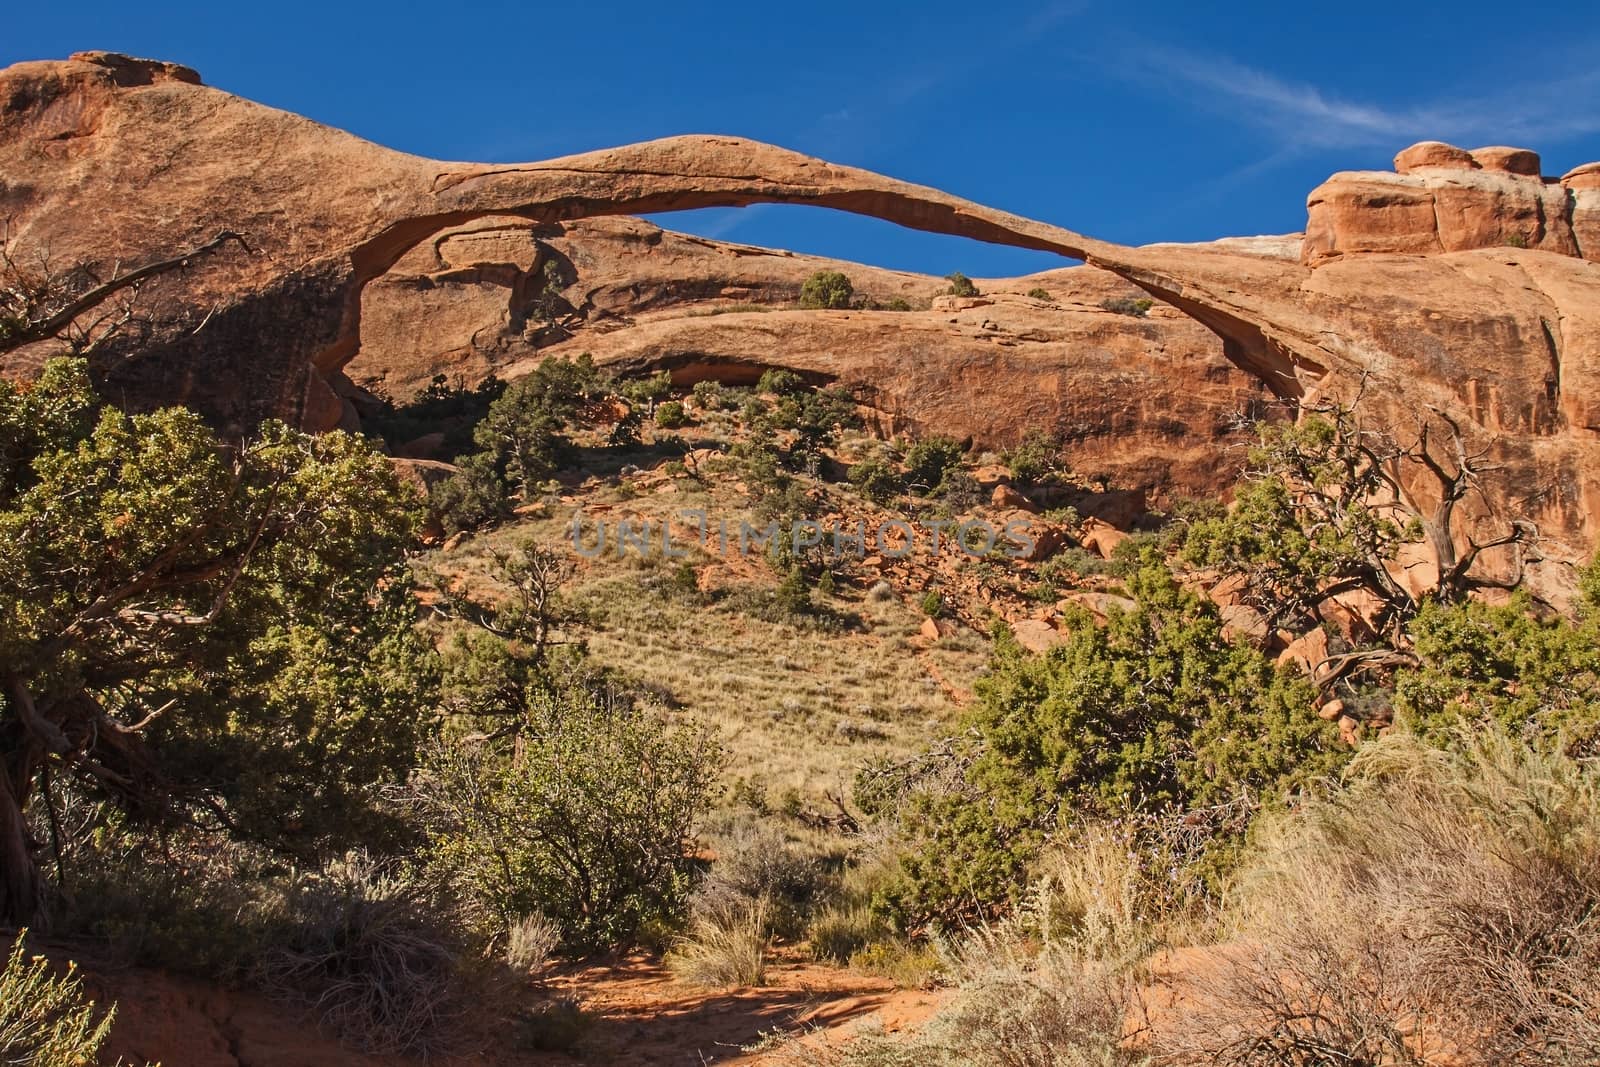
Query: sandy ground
{"type": "Point", "coordinates": [639, 1015]}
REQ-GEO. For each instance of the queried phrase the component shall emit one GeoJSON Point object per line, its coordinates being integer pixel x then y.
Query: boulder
{"type": "Point", "coordinates": [1037, 635]}
{"type": "Point", "coordinates": [1099, 604]}
{"type": "Point", "coordinates": [1520, 161]}
{"type": "Point", "coordinates": [1005, 496]}
{"type": "Point", "coordinates": [1101, 538]}
{"type": "Point", "coordinates": [1308, 652]}
{"type": "Point", "coordinates": [1036, 539]}
{"type": "Point", "coordinates": [1242, 622]}
{"type": "Point", "coordinates": [1433, 154]}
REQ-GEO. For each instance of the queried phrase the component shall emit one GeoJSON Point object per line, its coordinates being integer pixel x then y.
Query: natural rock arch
{"type": "Point", "coordinates": [1508, 337]}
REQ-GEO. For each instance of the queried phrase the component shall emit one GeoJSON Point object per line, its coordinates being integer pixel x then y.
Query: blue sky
{"type": "Point", "coordinates": [1132, 122]}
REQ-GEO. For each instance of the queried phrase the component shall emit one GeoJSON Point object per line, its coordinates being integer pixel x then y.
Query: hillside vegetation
{"type": "Point", "coordinates": [1219, 789]}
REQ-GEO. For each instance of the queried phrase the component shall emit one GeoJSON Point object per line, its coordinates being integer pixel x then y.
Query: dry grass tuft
{"type": "Point", "coordinates": [1444, 909]}
{"type": "Point", "coordinates": [370, 962]}
{"type": "Point", "coordinates": [531, 942]}
{"type": "Point", "coordinates": [726, 950]}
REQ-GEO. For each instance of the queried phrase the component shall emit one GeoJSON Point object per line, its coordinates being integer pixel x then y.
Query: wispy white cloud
{"type": "Point", "coordinates": [854, 128]}
{"type": "Point", "coordinates": [1303, 115]}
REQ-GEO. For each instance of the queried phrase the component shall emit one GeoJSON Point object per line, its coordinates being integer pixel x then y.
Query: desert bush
{"type": "Point", "coordinates": [531, 941]}
{"type": "Point", "coordinates": [1440, 909]}
{"type": "Point", "coordinates": [758, 864]}
{"type": "Point", "coordinates": [1154, 711]}
{"type": "Point", "coordinates": [474, 497]}
{"type": "Point", "coordinates": [840, 932]}
{"type": "Point", "coordinates": [932, 603]}
{"type": "Point", "coordinates": [46, 1019]}
{"type": "Point", "coordinates": [1093, 889]}
{"type": "Point", "coordinates": [709, 395]}
{"type": "Point", "coordinates": [1070, 565]}
{"type": "Point", "coordinates": [1138, 307]}
{"type": "Point", "coordinates": [364, 953]}
{"type": "Point", "coordinates": [670, 415]}
{"type": "Point", "coordinates": [960, 285]}
{"type": "Point", "coordinates": [1016, 1005]}
{"type": "Point", "coordinates": [558, 1024]}
{"type": "Point", "coordinates": [826, 289]}
{"type": "Point", "coordinates": [895, 303]}
{"type": "Point", "coordinates": [724, 949]}
{"type": "Point", "coordinates": [961, 492]}
{"type": "Point", "coordinates": [876, 479]}
{"type": "Point", "coordinates": [1036, 457]}
{"type": "Point", "coordinates": [586, 816]}
{"type": "Point", "coordinates": [648, 391]}
{"type": "Point", "coordinates": [521, 440]}
{"type": "Point", "coordinates": [445, 407]}
{"type": "Point", "coordinates": [1536, 676]}
{"type": "Point", "coordinates": [227, 624]}
{"type": "Point", "coordinates": [929, 460]}
{"type": "Point", "coordinates": [780, 382]}
{"type": "Point", "coordinates": [1039, 293]}
{"type": "Point", "coordinates": [209, 908]}
{"type": "Point", "coordinates": [908, 964]}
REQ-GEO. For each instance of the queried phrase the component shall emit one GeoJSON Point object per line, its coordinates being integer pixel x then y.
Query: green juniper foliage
{"type": "Point", "coordinates": [198, 631]}
{"type": "Point", "coordinates": [826, 289]}
{"type": "Point", "coordinates": [1154, 711]}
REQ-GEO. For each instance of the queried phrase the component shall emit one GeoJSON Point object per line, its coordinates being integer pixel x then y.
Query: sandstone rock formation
{"type": "Point", "coordinates": [1441, 198]}
{"type": "Point", "coordinates": [107, 160]}
{"type": "Point", "coordinates": [1146, 402]}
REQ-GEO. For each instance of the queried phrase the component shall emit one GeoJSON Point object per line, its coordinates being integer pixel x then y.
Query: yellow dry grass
{"type": "Point", "coordinates": [799, 706]}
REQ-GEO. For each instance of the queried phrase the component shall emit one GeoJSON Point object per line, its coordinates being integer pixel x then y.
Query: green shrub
{"type": "Point", "coordinates": [709, 395]}
{"type": "Point", "coordinates": [1126, 305]}
{"type": "Point", "coordinates": [960, 285]}
{"type": "Point", "coordinates": [1039, 293]}
{"type": "Point", "coordinates": [45, 1020]}
{"type": "Point", "coordinates": [442, 407]}
{"type": "Point", "coordinates": [586, 818]}
{"type": "Point", "coordinates": [929, 460]}
{"type": "Point", "coordinates": [1505, 664]}
{"type": "Point", "coordinates": [826, 289]}
{"type": "Point", "coordinates": [895, 303]}
{"type": "Point", "coordinates": [780, 382]}
{"type": "Point", "coordinates": [248, 603]}
{"type": "Point", "coordinates": [932, 603]}
{"type": "Point", "coordinates": [876, 479]}
{"type": "Point", "coordinates": [647, 392]}
{"type": "Point", "coordinates": [670, 415]}
{"type": "Point", "coordinates": [474, 497]}
{"type": "Point", "coordinates": [1154, 710]}
{"type": "Point", "coordinates": [1036, 457]}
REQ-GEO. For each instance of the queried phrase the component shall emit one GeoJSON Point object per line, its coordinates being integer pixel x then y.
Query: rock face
{"type": "Point", "coordinates": [1409, 294]}
{"type": "Point", "coordinates": [1445, 199]}
{"type": "Point", "coordinates": [1149, 403]}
